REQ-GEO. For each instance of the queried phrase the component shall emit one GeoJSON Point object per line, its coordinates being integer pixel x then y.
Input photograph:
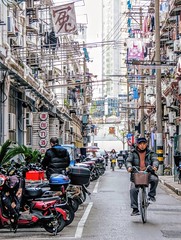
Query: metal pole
{"type": "Point", "coordinates": [142, 123]}
{"type": "Point", "coordinates": [128, 111]}
{"type": "Point", "coordinates": [159, 135]}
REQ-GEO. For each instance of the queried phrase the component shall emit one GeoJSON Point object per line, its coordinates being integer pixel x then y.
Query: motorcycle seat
{"type": "Point", "coordinates": [46, 199]}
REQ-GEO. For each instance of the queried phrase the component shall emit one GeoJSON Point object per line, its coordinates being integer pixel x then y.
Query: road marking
{"type": "Point", "coordinates": [96, 187]}
{"type": "Point", "coordinates": [82, 221]}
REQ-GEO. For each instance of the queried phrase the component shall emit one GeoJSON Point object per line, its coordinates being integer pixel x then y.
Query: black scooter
{"type": "Point", "coordinates": [120, 161]}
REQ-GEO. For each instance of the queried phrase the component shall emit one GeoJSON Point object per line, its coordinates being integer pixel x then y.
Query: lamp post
{"type": "Point", "coordinates": [159, 135]}
{"type": "Point", "coordinates": [142, 122]}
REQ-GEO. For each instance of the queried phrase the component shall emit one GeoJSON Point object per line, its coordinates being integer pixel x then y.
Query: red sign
{"type": "Point", "coordinates": [42, 133]}
{"type": "Point", "coordinates": [43, 116]}
{"type": "Point", "coordinates": [43, 142]}
{"type": "Point", "coordinates": [43, 125]}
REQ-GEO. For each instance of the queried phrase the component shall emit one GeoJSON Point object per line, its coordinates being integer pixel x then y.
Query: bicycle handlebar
{"type": "Point", "coordinates": [146, 170]}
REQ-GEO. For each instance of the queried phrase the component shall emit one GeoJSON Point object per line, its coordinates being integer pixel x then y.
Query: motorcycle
{"type": "Point", "coordinates": [20, 210]}
{"type": "Point", "coordinates": [113, 164]}
{"type": "Point", "coordinates": [70, 195]}
{"type": "Point", "coordinates": [120, 161]}
{"type": "Point", "coordinates": [94, 166]}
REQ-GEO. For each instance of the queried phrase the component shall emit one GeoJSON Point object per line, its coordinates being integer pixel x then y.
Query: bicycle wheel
{"type": "Point", "coordinates": [143, 204]}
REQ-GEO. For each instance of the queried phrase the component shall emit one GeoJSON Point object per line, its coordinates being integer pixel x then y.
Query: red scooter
{"type": "Point", "coordinates": [39, 211]}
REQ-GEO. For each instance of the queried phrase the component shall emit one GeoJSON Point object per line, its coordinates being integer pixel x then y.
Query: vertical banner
{"type": "Point", "coordinates": [135, 49]}
{"type": "Point", "coordinates": [64, 19]}
{"type": "Point", "coordinates": [41, 131]}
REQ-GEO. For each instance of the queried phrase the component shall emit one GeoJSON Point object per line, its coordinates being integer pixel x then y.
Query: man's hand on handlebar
{"type": "Point", "coordinates": [154, 168]}
{"type": "Point", "coordinates": [129, 169]}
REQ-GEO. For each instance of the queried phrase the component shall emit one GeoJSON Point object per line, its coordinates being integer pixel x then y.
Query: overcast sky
{"type": "Point", "coordinates": [93, 10]}
{"type": "Point", "coordinates": [90, 12]}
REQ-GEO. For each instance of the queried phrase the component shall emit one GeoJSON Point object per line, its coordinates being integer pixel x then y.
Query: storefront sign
{"type": "Point", "coordinates": [43, 125]}
{"type": "Point", "coordinates": [43, 131]}
{"type": "Point", "coordinates": [42, 134]}
{"type": "Point", "coordinates": [43, 116]}
{"type": "Point", "coordinates": [43, 142]}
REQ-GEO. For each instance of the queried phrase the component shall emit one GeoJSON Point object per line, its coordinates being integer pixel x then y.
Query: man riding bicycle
{"type": "Point", "coordinates": [141, 157]}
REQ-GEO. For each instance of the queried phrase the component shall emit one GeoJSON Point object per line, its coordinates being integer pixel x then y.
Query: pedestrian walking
{"type": "Point", "coordinates": [56, 158]}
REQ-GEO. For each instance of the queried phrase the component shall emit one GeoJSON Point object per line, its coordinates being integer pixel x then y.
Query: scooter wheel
{"type": "Point", "coordinates": [74, 204]}
{"type": "Point", "coordinates": [70, 214]}
{"type": "Point", "coordinates": [56, 225]}
{"type": "Point", "coordinates": [120, 166]}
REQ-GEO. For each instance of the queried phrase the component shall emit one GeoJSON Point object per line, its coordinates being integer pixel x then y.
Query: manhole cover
{"type": "Point", "coordinates": [164, 210]}
{"type": "Point", "coordinates": [105, 191]}
{"type": "Point", "coordinates": [171, 234]}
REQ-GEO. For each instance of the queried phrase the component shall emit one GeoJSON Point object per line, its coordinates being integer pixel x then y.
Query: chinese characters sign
{"type": "Point", "coordinates": [64, 19]}
{"type": "Point", "coordinates": [40, 131]}
{"type": "Point", "coordinates": [43, 131]}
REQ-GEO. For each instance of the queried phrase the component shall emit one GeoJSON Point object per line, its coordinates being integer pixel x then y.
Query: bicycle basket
{"type": "Point", "coordinates": [141, 179]}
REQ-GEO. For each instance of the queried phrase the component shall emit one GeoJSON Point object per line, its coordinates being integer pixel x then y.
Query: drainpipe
{"type": "Point", "coordinates": [5, 100]}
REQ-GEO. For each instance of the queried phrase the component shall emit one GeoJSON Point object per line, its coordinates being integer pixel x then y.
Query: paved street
{"type": "Point", "coordinates": [107, 215]}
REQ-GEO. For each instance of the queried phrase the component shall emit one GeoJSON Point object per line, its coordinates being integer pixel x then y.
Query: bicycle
{"type": "Point", "coordinates": [141, 180]}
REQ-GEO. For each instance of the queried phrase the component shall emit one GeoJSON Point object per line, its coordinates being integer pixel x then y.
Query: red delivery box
{"type": "Point", "coordinates": [35, 175]}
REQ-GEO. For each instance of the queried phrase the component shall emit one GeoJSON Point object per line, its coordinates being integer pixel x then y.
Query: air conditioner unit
{"type": "Point", "coordinates": [67, 126]}
{"type": "Point", "coordinates": [12, 122]}
{"type": "Point", "coordinates": [165, 127]}
{"type": "Point", "coordinates": [72, 139]}
{"type": "Point", "coordinates": [66, 137]}
{"type": "Point", "coordinates": [162, 71]}
{"type": "Point", "coordinates": [179, 88]}
{"type": "Point", "coordinates": [169, 101]}
{"type": "Point", "coordinates": [11, 26]}
{"type": "Point", "coordinates": [165, 110]}
{"type": "Point", "coordinates": [171, 117]}
{"type": "Point", "coordinates": [29, 119]}
{"type": "Point", "coordinates": [70, 102]}
{"type": "Point", "coordinates": [172, 130]}
{"type": "Point", "coordinates": [176, 46]}
{"type": "Point", "coordinates": [19, 41]}
{"type": "Point", "coordinates": [27, 71]}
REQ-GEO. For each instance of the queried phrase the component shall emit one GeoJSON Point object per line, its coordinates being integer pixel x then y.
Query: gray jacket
{"type": "Point", "coordinates": [134, 159]}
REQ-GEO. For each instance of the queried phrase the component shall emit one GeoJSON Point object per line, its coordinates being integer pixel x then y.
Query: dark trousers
{"type": "Point", "coordinates": [7, 201]}
{"type": "Point", "coordinates": [134, 191]}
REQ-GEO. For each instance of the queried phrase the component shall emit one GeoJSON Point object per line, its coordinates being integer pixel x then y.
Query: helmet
{"type": "Point", "coordinates": [12, 182]}
{"type": "Point", "coordinates": [2, 180]}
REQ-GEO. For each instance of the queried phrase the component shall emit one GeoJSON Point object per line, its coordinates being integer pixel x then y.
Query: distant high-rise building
{"type": "Point", "coordinates": [114, 30]}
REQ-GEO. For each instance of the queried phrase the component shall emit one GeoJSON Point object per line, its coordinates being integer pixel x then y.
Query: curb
{"type": "Point", "coordinates": [176, 190]}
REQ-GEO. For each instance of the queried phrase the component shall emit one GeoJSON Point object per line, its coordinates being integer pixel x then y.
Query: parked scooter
{"type": "Point", "coordinates": [19, 210]}
{"type": "Point", "coordinates": [70, 189]}
{"type": "Point", "coordinates": [34, 202]}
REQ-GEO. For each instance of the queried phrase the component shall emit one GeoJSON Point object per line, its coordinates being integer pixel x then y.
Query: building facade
{"type": "Point", "coordinates": [43, 78]}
